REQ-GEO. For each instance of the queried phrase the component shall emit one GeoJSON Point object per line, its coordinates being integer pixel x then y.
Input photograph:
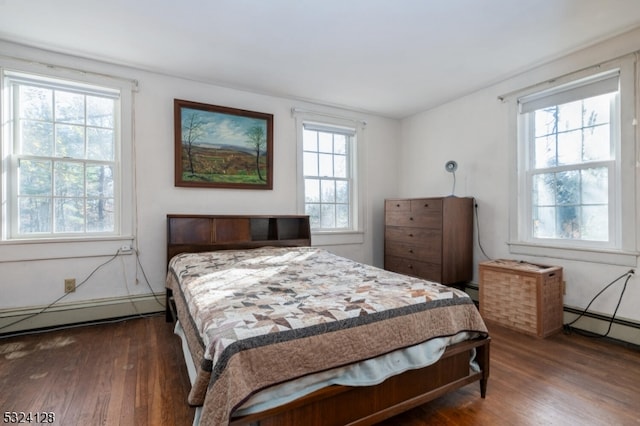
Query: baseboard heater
{"type": "Point", "coordinates": [593, 323]}
{"type": "Point", "coordinates": [42, 318]}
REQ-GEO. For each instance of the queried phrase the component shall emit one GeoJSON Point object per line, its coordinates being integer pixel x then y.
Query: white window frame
{"type": "Point", "coordinates": [355, 234]}
{"type": "Point", "coordinates": [15, 248]}
{"type": "Point", "coordinates": [621, 249]}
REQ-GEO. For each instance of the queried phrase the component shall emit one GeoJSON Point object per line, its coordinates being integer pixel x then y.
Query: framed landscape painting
{"type": "Point", "coordinates": [221, 147]}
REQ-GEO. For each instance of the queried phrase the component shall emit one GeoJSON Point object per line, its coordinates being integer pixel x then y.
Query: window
{"type": "Point", "coordinates": [63, 146]}
{"type": "Point", "coordinates": [574, 190]}
{"type": "Point", "coordinates": [572, 151]}
{"type": "Point", "coordinates": [328, 176]}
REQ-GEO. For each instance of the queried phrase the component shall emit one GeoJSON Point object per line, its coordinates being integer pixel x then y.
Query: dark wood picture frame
{"type": "Point", "coordinates": [222, 147]}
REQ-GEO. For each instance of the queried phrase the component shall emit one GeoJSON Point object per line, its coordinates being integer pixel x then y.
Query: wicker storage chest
{"type": "Point", "coordinates": [522, 296]}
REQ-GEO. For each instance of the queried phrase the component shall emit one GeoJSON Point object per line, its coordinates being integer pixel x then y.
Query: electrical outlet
{"type": "Point", "coordinates": [69, 285]}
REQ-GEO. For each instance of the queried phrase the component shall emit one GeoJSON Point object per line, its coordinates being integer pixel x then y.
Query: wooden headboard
{"type": "Point", "coordinates": [197, 233]}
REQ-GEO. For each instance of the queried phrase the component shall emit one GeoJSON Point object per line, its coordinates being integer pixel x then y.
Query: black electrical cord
{"type": "Point", "coordinates": [628, 274]}
{"type": "Point", "coordinates": [146, 280]}
{"type": "Point", "coordinates": [111, 259]}
{"type": "Point", "coordinates": [475, 208]}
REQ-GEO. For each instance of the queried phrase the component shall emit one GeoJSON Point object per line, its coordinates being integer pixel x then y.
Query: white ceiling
{"type": "Point", "coordinates": [392, 58]}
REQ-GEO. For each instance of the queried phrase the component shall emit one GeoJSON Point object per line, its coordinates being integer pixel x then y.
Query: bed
{"type": "Point", "coordinates": [319, 318]}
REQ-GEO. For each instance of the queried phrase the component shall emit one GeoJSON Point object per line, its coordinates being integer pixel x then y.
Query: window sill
{"type": "Point", "coordinates": [329, 238]}
{"type": "Point", "coordinates": [25, 250]}
{"type": "Point", "coordinates": [609, 257]}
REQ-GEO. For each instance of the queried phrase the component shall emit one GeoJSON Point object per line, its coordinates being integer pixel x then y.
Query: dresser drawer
{"type": "Point", "coordinates": [397, 205]}
{"type": "Point", "coordinates": [417, 236]}
{"type": "Point", "coordinates": [426, 253]}
{"type": "Point", "coordinates": [423, 219]}
{"type": "Point", "coordinates": [425, 270]}
{"type": "Point", "coordinates": [427, 206]}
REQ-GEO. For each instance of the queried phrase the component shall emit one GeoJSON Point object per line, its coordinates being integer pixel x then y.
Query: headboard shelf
{"type": "Point", "coordinates": [197, 233]}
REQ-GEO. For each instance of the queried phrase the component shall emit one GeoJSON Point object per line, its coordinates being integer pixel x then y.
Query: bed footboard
{"type": "Point", "coordinates": [342, 405]}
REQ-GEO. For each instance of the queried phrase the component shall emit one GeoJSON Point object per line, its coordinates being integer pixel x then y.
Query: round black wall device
{"type": "Point", "coordinates": [451, 166]}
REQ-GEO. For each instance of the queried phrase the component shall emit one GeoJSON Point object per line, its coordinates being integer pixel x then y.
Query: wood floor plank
{"type": "Point", "coordinates": [132, 373]}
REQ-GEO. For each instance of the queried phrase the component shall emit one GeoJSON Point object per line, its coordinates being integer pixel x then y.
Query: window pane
{"type": "Point", "coordinates": [545, 121]}
{"type": "Point", "coordinates": [570, 116]}
{"type": "Point", "coordinates": [326, 165]}
{"type": "Point", "coordinates": [36, 138]}
{"type": "Point", "coordinates": [568, 187]}
{"type": "Point", "coordinates": [340, 144]}
{"type": "Point", "coordinates": [595, 186]}
{"type": "Point", "coordinates": [100, 112]}
{"type": "Point", "coordinates": [597, 110]}
{"type": "Point", "coordinates": [570, 147]}
{"type": "Point", "coordinates": [597, 143]}
{"type": "Point", "coordinates": [69, 107]}
{"type": "Point", "coordinates": [69, 141]}
{"type": "Point", "coordinates": [544, 222]}
{"type": "Point", "coordinates": [35, 177]}
{"type": "Point", "coordinates": [100, 144]}
{"type": "Point", "coordinates": [325, 142]}
{"type": "Point", "coordinates": [544, 187]}
{"type": "Point", "coordinates": [342, 215]}
{"type": "Point", "coordinates": [328, 191]}
{"type": "Point", "coordinates": [312, 190]}
{"type": "Point", "coordinates": [313, 210]}
{"type": "Point", "coordinates": [340, 166]}
{"type": "Point", "coordinates": [309, 140]}
{"type": "Point", "coordinates": [568, 226]}
{"type": "Point", "coordinates": [328, 216]}
{"type": "Point", "coordinates": [69, 179]}
{"type": "Point", "coordinates": [545, 152]}
{"type": "Point", "coordinates": [99, 181]}
{"type": "Point", "coordinates": [69, 215]}
{"type": "Point", "coordinates": [310, 164]}
{"type": "Point", "coordinates": [36, 103]}
{"type": "Point", "coordinates": [100, 215]}
{"type": "Point", "coordinates": [342, 192]}
{"type": "Point", "coordinates": [34, 215]}
{"type": "Point", "coordinates": [595, 223]}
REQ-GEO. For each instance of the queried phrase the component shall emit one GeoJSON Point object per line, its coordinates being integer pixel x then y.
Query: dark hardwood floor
{"type": "Point", "coordinates": [132, 373]}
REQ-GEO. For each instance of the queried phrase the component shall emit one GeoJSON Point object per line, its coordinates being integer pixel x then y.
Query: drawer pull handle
{"type": "Point", "coordinates": [397, 205]}
{"type": "Point", "coordinates": [411, 235]}
{"type": "Point", "coordinates": [426, 205]}
{"type": "Point", "coordinates": [410, 266]}
{"type": "Point", "coordinates": [410, 218]}
{"type": "Point", "coordinates": [410, 250]}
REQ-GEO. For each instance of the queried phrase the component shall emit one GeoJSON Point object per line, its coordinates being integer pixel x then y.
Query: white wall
{"type": "Point", "coordinates": [474, 131]}
{"type": "Point", "coordinates": [26, 283]}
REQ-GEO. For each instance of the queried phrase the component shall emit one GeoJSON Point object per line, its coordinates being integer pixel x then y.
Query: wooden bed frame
{"type": "Point", "coordinates": [334, 405]}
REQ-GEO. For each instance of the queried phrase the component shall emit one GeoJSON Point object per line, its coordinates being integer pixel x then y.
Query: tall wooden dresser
{"type": "Point", "coordinates": [430, 238]}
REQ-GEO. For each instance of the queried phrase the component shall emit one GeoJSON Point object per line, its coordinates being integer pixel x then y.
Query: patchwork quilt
{"type": "Point", "coordinates": [268, 315]}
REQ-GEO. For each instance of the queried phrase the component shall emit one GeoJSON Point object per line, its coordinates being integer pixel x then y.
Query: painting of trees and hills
{"type": "Point", "coordinates": [222, 147]}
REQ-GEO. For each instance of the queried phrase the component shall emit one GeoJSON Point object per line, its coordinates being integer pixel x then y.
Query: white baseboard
{"type": "Point", "coordinates": [79, 312]}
